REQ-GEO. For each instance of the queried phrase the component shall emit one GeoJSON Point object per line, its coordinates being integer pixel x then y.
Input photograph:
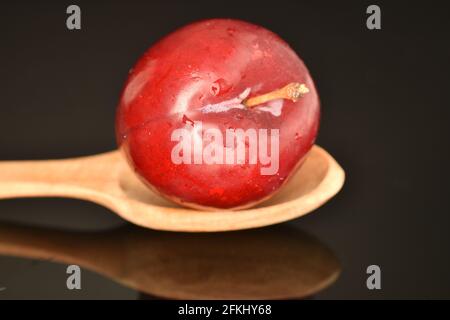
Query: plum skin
{"type": "Point", "coordinates": [203, 63]}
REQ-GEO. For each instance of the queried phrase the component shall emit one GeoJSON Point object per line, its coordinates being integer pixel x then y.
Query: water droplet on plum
{"type": "Point", "coordinates": [186, 120]}
{"type": "Point", "coordinates": [220, 86]}
{"type": "Point", "coordinates": [215, 89]}
{"type": "Point", "coordinates": [231, 31]}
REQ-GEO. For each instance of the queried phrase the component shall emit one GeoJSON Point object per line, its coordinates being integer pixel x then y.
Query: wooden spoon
{"type": "Point", "coordinates": [271, 263]}
{"type": "Point", "coordinates": [108, 180]}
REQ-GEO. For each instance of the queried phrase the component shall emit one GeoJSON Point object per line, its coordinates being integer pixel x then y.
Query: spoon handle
{"type": "Point", "coordinates": [74, 178]}
{"type": "Point", "coordinates": [35, 178]}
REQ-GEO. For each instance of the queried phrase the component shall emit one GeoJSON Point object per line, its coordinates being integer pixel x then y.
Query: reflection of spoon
{"type": "Point", "coordinates": [107, 180]}
{"type": "Point", "coordinates": [271, 263]}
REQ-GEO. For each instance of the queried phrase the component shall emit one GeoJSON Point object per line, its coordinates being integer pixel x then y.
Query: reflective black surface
{"type": "Point", "coordinates": [384, 118]}
{"type": "Point", "coordinates": [276, 262]}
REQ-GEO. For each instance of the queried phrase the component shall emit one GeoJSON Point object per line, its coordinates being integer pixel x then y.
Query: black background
{"type": "Point", "coordinates": [385, 116]}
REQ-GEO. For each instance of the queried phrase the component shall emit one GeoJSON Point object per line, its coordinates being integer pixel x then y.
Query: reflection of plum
{"type": "Point", "coordinates": [206, 72]}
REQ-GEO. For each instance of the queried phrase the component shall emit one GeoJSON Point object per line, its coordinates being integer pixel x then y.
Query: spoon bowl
{"type": "Point", "coordinates": [108, 180]}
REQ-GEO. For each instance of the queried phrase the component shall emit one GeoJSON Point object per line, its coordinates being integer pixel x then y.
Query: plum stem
{"type": "Point", "coordinates": [293, 91]}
